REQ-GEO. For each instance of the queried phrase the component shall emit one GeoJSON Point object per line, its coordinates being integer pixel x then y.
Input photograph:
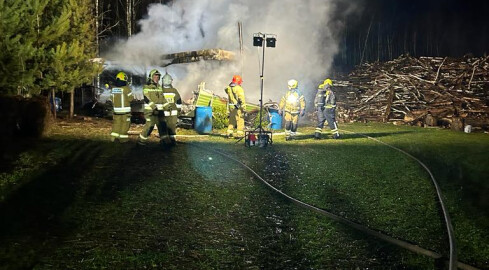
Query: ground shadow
{"type": "Point", "coordinates": [38, 203]}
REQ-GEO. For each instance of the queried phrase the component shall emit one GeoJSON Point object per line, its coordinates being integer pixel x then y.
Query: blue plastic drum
{"type": "Point", "coordinates": [203, 119]}
{"type": "Point", "coordinates": [275, 119]}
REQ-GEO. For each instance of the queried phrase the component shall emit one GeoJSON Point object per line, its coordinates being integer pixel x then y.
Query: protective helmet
{"type": "Point", "coordinates": [237, 79]}
{"type": "Point", "coordinates": [292, 84]}
{"type": "Point", "coordinates": [167, 80]}
{"type": "Point", "coordinates": [328, 81]}
{"type": "Point", "coordinates": [121, 76]}
{"type": "Point", "coordinates": [153, 72]}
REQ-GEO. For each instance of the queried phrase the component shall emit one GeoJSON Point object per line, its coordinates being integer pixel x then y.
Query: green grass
{"type": "Point", "coordinates": [187, 208]}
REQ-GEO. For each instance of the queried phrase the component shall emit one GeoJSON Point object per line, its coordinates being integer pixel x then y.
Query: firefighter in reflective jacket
{"type": "Point", "coordinates": [154, 104]}
{"type": "Point", "coordinates": [325, 104]}
{"type": "Point", "coordinates": [292, 104]}
{"type": "Point", "coordinates": [121, 97]}
{"type": "Point", "coordinates": [236, 107]}
{"type": "Point", "coordinates": [172, 111]}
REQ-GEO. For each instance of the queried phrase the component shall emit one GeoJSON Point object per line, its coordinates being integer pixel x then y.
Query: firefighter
{"type": "Point", "coordinates": [236, 107]}
{"type": "Point", "coordinates": [154, 104]}
{"type": "Point", "coordinates": [121, 97]}
{"type": "Point", "coordinates": [325, 104]}
{"type": "Point", "coordinates": [292, 105]}
{"type": "Point", "coordinates": [172, 111]}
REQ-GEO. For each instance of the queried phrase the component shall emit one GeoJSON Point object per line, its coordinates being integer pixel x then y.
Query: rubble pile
{"type": "Point", "coordinates": [425, 91]}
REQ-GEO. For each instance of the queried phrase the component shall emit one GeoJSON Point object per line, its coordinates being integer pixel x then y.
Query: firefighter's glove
{"type": "Point", "coordinates": [155, 111]}
{"type": "Point", "coordinates": [302, 113]}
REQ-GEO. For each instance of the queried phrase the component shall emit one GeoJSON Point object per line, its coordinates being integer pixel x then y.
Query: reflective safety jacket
{"type": "Point", "coordinates": [325, 98]}
{"type": "Point", "coordinates": [236, 98]}
{"type": "Point", "coordinates": [174, 101]}
{"type": "Point", "coordinates": [293, 102]}
{"type": "Point", "coordinates": [153, 97]}
{"type": "Point", "coordinates": [121, 99]}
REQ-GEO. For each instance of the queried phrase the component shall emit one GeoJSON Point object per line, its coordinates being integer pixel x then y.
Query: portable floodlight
{"type": "Point", "coordinates": [264, 137]}
{"type": "Point", "coordinates": [271, 40]}
{"type": "Point", "coordinates": [258, 39]}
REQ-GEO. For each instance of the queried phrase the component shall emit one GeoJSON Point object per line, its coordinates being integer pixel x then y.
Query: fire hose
{"type": "Point", "coordinates": [453, 263]}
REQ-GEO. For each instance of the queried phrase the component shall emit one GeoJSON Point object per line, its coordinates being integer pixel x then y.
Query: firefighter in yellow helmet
{"type": "Point", "coordinates": [154, 105]}
{"type": "Point", "coordinates": [121, 98]}
{"type": "Point", "coordinates": [172, 111]}
{"type": "Point", "coordinates": [292, 105]}
{"type": "Point", "coordinates": [325, 103]}
{"type": "Point", "coordinates": [236, 107]}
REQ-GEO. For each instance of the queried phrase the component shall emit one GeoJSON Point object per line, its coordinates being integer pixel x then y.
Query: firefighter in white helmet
{"type": "Point", "coordinates": [172, 111]}
{"type": "Point", "coordinates": [292, 105]}
{"type": "Point", "coordinates": [325, 104]}
{"type": "Point", "coordinates": [121, 98]}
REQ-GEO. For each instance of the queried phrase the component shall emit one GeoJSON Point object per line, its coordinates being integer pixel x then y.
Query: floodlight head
{"type": "Point", "coordinates": [271, 40]}
{"type": "Point", "coordinates": [258, 39]}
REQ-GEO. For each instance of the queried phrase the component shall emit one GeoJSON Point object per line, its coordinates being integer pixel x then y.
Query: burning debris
{"type": "Point", "coordinates": [419, 91]}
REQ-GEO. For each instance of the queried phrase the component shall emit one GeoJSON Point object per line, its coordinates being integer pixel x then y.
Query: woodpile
{"type": "Point", "coordinates": [425, 91]}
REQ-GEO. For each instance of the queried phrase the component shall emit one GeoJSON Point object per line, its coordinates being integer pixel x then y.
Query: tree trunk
{"type": "Point", "coordinates": [53, 100]}
{"type": "Point", "coordinates": [97, 27]}
{"type": "Point", "coordinates": [129, 17]}
{"type": "Point", "coordinates": [72, 103]}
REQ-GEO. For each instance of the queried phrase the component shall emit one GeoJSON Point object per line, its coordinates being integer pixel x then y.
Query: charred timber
{"type": "Point", "coordinates": [195, 56]}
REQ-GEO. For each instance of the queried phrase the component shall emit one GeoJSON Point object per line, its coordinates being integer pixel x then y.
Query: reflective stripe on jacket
{"type": "Point", "coordinates": [174, 101]}
{"type": "Point", "coordinates": [293, 102]}
{"type": "Point", "coordinates": [121, 99]}
{"type": "Point", "coordinates": [154, 98]}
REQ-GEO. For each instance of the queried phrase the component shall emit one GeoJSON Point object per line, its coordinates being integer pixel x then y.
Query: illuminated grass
{"type": "Point", "coordinates": [101, 205]}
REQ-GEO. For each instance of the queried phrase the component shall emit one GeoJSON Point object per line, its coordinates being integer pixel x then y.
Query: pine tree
{"type": "Point", "coordinates": [46, 44]}
{"type": "Point", "coordinates": [17, 45]}
{"type": "Point", "coordinates": [69, 60]}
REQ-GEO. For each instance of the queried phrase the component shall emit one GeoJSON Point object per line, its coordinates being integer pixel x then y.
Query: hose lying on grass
{"type": "Point", "coordinates": [400, 243]}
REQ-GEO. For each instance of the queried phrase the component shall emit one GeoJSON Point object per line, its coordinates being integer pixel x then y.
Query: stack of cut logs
{"type": "Point", "coordinates": [425, 91]}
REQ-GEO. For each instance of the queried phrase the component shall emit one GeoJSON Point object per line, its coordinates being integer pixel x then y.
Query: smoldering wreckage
{"type": "Point", "coordinates": [424, 91]}
{"type": "Point", "coordinates": [101, 105]}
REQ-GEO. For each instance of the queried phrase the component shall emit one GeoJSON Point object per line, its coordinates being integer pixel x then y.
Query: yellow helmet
{"type": "Point", "coordinates": [154, 72]}
{"type": "Point", "coordinates": [121, 76]}
{"type": "Point", "coordinates": [328, 81]}
{"type": "Point", "coordinates": [292, 84]}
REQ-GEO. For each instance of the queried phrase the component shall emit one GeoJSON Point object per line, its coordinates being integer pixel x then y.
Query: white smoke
{"type": "Point", "coordinates": [305, 43]}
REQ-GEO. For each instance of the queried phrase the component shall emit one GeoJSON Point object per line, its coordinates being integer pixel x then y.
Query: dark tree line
{"type": "Point", "coordinates": [46, 45]}
{"type": "Point", "coordinates": [386, 29]}
{"type": "Point", "coordinates": [118, 18]}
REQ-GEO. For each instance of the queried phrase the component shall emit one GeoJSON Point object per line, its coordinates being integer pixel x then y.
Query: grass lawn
{"type": "Point", "coordinates": [76, 201]}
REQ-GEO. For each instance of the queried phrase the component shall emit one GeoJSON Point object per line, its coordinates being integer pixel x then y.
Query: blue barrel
{"type": "Point", "coordinates": [275, 119]}
{"type": "Point", "coordinates": [203, 119]}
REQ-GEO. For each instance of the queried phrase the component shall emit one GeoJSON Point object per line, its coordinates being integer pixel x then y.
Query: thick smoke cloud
{"type": "Point", "coordinates": [306, 43]}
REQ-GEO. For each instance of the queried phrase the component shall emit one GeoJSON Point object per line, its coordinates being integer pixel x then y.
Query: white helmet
{"type": "Point", "coordinates": [167, 80]}
{"type": "Point", "coordinates": [292, 84]}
